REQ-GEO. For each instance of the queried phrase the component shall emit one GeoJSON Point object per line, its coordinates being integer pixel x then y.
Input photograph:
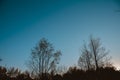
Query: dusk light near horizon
{"type": "Point", "coordinates": [65, 23]}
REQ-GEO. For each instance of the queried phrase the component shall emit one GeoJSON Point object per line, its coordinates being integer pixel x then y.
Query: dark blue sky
{"type": "Point", "coordinates": [65, 23]}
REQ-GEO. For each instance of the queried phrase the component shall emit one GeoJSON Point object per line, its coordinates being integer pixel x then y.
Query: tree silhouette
{"type": "Point", "coordinates": [93, 55]}
{"type": "Point", "coordinates": [85, 60]}
{"type": "Point", "coordinates": [73, 73]}
{"type": "Point", "coordinates": [98, 52]}
{"type": "Point", "coordinates": [44, 58]}
{"type": "Point", "coordinates": [57, 77]}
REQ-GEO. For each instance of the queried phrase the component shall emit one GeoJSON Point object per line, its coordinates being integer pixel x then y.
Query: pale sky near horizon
{"type": "Point", "coordinates": [65, 23]}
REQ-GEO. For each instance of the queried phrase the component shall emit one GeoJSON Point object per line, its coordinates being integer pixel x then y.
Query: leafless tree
{"type": "Point", "coordinates": [93, 55]}
{"type": "Point", "coordinates": [85, 60]}
{"type": "Point", "coordinates": [44, 58]}
{"type": "Point", "coordinates": [98, 52]}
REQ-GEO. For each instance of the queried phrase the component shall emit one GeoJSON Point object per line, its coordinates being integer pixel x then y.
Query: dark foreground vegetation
{"type": "Point", "coordinates": [94, 64]}
{"type": "Point", "coordinates": [107, 73]}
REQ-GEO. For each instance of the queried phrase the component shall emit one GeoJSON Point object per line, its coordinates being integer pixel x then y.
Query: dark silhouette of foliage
{"type": "Point", "coordinates": [3, 74]}
{"type": "Point", "coordinates": [106, 73]}
{"type": "Point", "coordinates": [57, 77]}
{"type": "Point", "coordinates": [74, 73]}
{"type": "Point", "coordinates": [23, 77]}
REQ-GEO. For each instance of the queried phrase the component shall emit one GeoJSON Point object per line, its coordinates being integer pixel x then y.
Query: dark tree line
{"type": "Point", "coordinates": [93, 64]}
{"type": "Point", "coordinates": [73, 73]}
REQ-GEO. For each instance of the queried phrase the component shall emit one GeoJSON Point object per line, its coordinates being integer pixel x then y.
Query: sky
{"type": "Point", "coordinates": [65, 23]}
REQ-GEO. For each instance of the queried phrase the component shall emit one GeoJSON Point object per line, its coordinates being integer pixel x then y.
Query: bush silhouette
{"type": "Point", "coordinates": [102, 73]}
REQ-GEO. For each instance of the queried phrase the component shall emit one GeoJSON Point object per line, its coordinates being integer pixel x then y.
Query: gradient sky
{"type": "Point", "coordinates": [65, 23]}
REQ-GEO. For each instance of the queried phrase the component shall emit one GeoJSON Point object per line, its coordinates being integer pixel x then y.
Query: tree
{"type": "Point", "coordinates": [98, 52]}
{"type": "Point", "coordinates": [93, 55]}
{"type": "Point", "coordinates": [44, 58]}
{"type": "Point", "coordinates": [85, 60]}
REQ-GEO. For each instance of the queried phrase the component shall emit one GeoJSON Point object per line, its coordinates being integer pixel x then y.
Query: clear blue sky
{"type": "Point", "coordinates": [65, 23]}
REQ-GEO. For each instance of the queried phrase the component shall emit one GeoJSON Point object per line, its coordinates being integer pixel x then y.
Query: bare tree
{"type": "Point", "coordinates": [85, 60]}
{"type": "Point", "coordinates": [98, 52]}
{"type": "Point", "coordinates": [43, 58]}
{"type": "Point", "coordinates": [93, 55]}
